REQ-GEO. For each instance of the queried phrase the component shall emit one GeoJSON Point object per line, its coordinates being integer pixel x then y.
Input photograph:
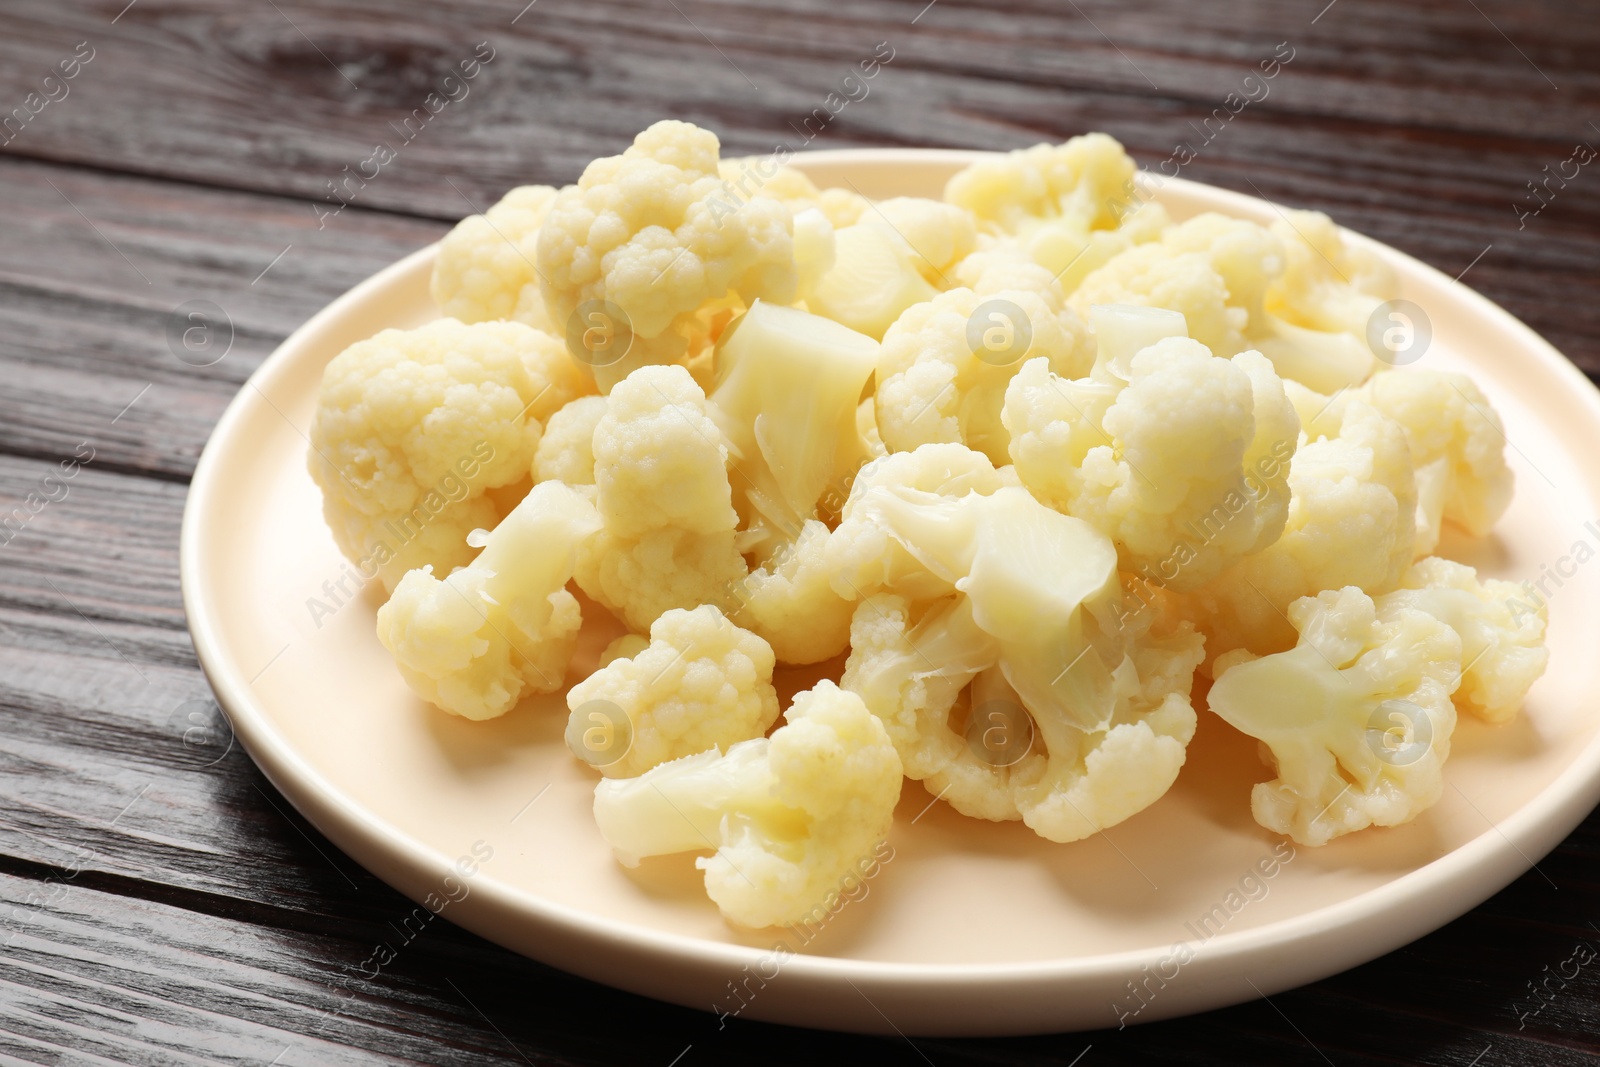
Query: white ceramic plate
{"type": "Point", "coordinates": [971, 928]}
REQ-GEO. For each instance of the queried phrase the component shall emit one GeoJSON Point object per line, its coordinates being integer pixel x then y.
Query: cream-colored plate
{"type": "Point", "coordinates": [971, 928]}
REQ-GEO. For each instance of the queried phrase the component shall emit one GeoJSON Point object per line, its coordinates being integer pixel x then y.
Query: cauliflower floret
{"type": "Point", "coordinates": [1457, 446]}
{"type": "Point", "coordinates": [936, 235]}
{"type": "Point", "coordinates": [1151, 275]}
{"type": "Point", "coordinates": [749, 176]}
{"type": "Point", "coordinates": [702, 683]}
{"type": "Point", "coordinates": [1502, 635]}
{"type": "Point", "coordinates": [1083, 182]}
{"type": "Point", "coordinates": [1069, 207]}
{"type": "Point", "coordinates": [1352, 519]}
{"type": "Point", "coordinates": [474, 642]}
{"type": "Point", "coordinates": [663, 494]}
{"type": "Point", "coordinates": [485, 269]}
{"type": "Point", "coordinates": [934, 385]}
{"type": "Point", "coordinates": [862, 557]}
{"type": "Point", "coordinates": [653, 232]}
{"type": "Point", "coordinates": [991, 272]}
{"type": "Point", "coordinates": [1357, 716]}
{"type": "Point", "coordinates": [566, 451]}
{"type": "Point", "coordinates": [414, 426]}
{"type": "Point", "coordinates": [790, 600]}
{"type": "Point", "coordinates": [1108, 712]}
{"type": "Point", "coordinates": [789, 816]}
{"type": "Point", "coordinates": [873, 279]}
{"type": "Point", "coordinates": [1326, 284]}
{"type": "Point", "coordinates": [1184, 466]}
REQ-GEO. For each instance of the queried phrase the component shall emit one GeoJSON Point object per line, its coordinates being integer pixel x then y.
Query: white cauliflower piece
{"type": "Point", "coordinates": [663, 494]}
{"type": "Point", "coordinates": [991, 272]}
{"type": "Point", "coordinates": [1457, 446]}
{"type": "Point", "coordinates": [1357, 716]}
{"type": "Point", "coordinates": [1068, 207]}
{"type": "Point", "coordinates": [789, 816]}
{"type": "Point", "coordinates": [1184, 466]}
{"type": "Point", "coordinates": [485, 269]}
{"type": "Point", "coordinates": [1151, 275]}
{"type": "Point", "coordinates": [702, 683]}
{"type": "Point", "coordinates": [935, 386]}
{"type": "Point", "coordinates": [474, 642]}
{"type": "Point", "coordinates": [873, 279]}
{"type": "Point", "coordinates": [790, 600]}
{"type": "Point", "coordinates": [862, 557]}
{"type": "Point", "coordinates": [1502, 634]}
{"type": "Point", "coordinates": [566, 450]}
{"type": "Point", "coordinates": [749, 176]}
{"type": "Point", "coordinates": [653, 232]}
{"type": "Point", "coordinates": [936, 235]}
{"type": "Point", "coordinates": [1109, 711]}
{"type": "Point", "coordinates": [1351, 521]}
{"type": "Point", "coordinates": [1327, 284]}
{"type": "Point", "coordinates": [414, 428]}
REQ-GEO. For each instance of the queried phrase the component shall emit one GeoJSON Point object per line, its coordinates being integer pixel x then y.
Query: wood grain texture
{"type": "Point", "coordinates": [161, 903]}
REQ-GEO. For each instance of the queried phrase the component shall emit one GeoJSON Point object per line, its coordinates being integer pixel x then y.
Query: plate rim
{"type": "Point", "coordinates": [1461, 878]}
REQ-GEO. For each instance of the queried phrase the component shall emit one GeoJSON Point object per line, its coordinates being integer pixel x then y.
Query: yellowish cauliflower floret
{"type": "Point", "coordinates": [1457, 447]}
{"type": "Point", "coordinates": [654, 232]}
{"type": "Point", "coordinates": [790, 600]}
{"type": "Point", "coordinates": [1357, 716]}
{"type": "Point", "coordinates": [988, 273]}
{"type": "Point", "coordinates": [862, 557]}
{"type": "Point", "coordinates": [474, 642]}
{"type": "Point", "coordinates": [749, 176]}
{"type": "Point", "coordinates": [1101, 710]}
{"type": "Point", "coordinates": [486, 263]}
{"type": "Point", "coordinates": [1501, 631]}
{"type": "Point", "coordinates": [1150, 275]}
{"type": "Point", "coordinates": [1083, 182]}
{"type": "Point", "coordinates": [792, 817]}
{"type": "Point", "coordinates": [1069, 207]}
{"type": "Point", "coordinates": [935, 234]}
{"type": "Point", "coordinates": [934, 386]}
{"type": "Point", "coordinates": [663, 493]}
{"type": "Point", "coordinates": [701, 684]}
{"type": "Point", "coordinates": [874, 277]}
{"type": "Point", "coordinates": [1326, 285]}
{"type": "Point", "coordinates": [413, 427]}
{"type": "Point", "coordinates": [566, 451]}
{"type": "Point", "coordinates": [1184, 466]}
{"type": "Point", "coordinates": [1352, 508]}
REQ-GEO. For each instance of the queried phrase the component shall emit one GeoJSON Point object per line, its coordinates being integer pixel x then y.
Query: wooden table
{"type": "Point", "coordinates": [163, 904]}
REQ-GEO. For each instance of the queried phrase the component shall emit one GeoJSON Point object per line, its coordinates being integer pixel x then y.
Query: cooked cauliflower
{"type": "Point", "coordinates": [485, 269]}
{"type": "Point", "coordinates": [702, 683]}
{"type": "Point", "coordinates": [873, 279]}
{"type": "Point", "coordinates": [790, 600]}
{"type": "Point", "coordinates": [414, 428]}
{"type": "Point", "coordinates": [1327, 284]}
{"type": "Point", "coordinates": [653, 232]}
{"type": "Point", "coordinates": [788, 816]}
{"type": "Point", "coordinates": [1351, 521]}
{"type": "Point", "coordinates": [566, 450]}
{"type": "Point", "coordinates": [663, 494]}
{"type": "Point", "coordinates": [1357, 716]}
{"type": "Point", "coordinates": [936, 235]}
{"type": "Point", "coordinates": [1457, 446]}
{"type": "Point", "coordinates": [474, 642]}
{"type": "Point", "coordinates": [1184, 466]}
{"type": "Point", "coordinates": [1039, 599]}
{"type": "Point", "coordinates": [1502, 635]}
{"type": "Point", "coordinates": [934, 385]}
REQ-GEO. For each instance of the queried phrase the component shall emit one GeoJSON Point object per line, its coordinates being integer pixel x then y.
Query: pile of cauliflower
{"type": "Point", "coordinates": [1028, 470]}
